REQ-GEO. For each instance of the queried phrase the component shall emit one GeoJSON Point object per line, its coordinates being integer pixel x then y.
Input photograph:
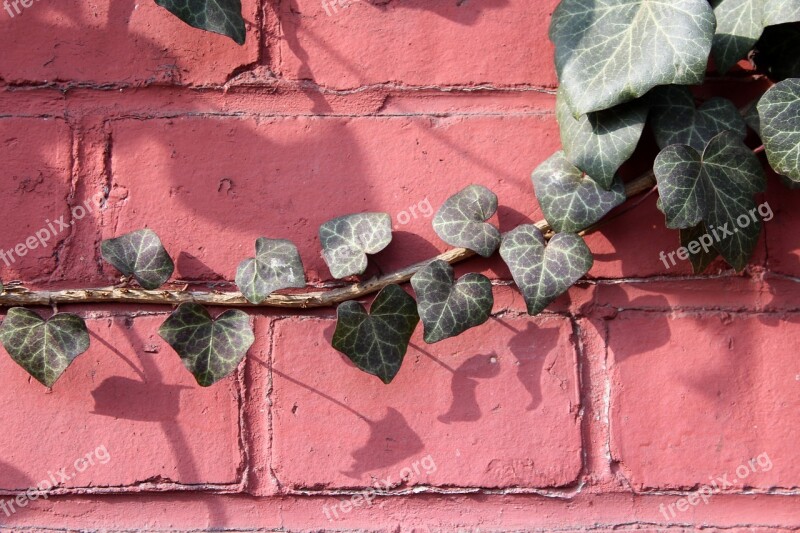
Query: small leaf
{"type": "Point", "coordinates": [461, 221]}
{"type": "Point", "coordinates": [139, 254]}
{"type": "Point", "coordinates": [611, 51]}
{"type": "Point", "coordinates": [277, 266]}
{"type": "Point", "coordinates": [347, 240]}
{"type": "Point", "coordinates": [779, 111]}
{"type": "Point", "coordinates": [598, 143]}
{"type": "Point", "coordinates": [739, 24]}
{"type": "Point", "coordinates": [570, 200]}
{"type": "Point", "coordinates": [676, 120]}
{"type": "Point", "coordinates": [377, 342]}
{"type": "Point", "coordinates": [705, 255]}
{"type": "Point", "coordinates": [209, 349]}
{"type": "Point", "coordinates": [217, 16]}
{"type": "Point", "coordinates": [448, 307]}
{"type": "Point", "coordinates": [781, 12]}
{"type": "Point", "coordinates": [544, 272]}
{"type": "Point", "coordinates": [44, 348]}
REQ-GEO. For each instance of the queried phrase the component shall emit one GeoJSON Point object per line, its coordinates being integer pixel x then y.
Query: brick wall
{"type": "Point", "coordinates": [609, 411]}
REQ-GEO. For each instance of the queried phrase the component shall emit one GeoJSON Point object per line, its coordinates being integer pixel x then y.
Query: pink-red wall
{"type": "Point", "coordinates": [625, 405]}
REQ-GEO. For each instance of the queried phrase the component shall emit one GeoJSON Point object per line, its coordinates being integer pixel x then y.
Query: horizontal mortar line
{"type": "Point", "coordinates": [136, 488]}
{"type": "Point", "coordinates": [566, 493]}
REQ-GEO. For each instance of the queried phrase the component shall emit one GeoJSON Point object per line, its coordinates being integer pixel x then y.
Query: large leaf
{"type": "Point", "coordinates": [779, 113]}
{"type": "Point", "coordinates": [210, 349]}
{"type": "Point", "coordinates": [717, 188]}
{"type": "Point", "coordinates": [139, 254]}
{"type": "Point", "coordinates": [347, 240]}
{"type": "Point", "coordinates": [218, 16]}
{"type": "Point", "coordinates": [276, 266]}
{"type": "Point", "coordinates": [781, 11]}
{"type": "Point", "coordinates": [377, 342]}
{"type": "Point", "coordinates": [598, 143]}
{"type": "Point", "coordinates": [448, 307]}
{"type": "Point", "coordinates": [612, 51]}
{"type": "Point", "coordinates": [676, 120]}
{"type": "Point", "coordinates": [544, 272]}
{"type": "Point", "coordinates": [570, 200]}
{"type": "Point", "coordinates": [44, 348]}
{"type": "Point", "coordinates": [739, 25]}
{"type": "Point", "coordinates": [461, 221]}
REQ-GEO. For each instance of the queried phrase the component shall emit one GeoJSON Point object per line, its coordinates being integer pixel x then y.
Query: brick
{"type": "Point", "coordinates": [115, 42]}
{"type": "Point", "coordinates": [417, 43]}
{"type": "Point", "coordinates": [784, 252]}
{"type": "Point", "coordinates": [697, 396]}
{"type": "Point", "coordinates": [476, 404]}
{"type": "Point", "coordinates": [130, 394]}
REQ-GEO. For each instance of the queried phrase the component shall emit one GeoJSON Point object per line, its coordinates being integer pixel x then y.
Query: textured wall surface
{"type": "Point", "coordinates": [645, 398]}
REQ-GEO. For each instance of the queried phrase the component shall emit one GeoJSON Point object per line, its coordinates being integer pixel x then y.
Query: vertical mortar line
{"type": "Point", "coordinates": [270, 387]}
{"type": "Point", "coordinates": [243, 469]}
{"type": "Point", "coordinates": [582, 383]}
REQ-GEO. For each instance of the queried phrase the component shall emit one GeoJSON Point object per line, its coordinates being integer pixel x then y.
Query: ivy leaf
{"type": "Point", "coordinates": [347, 240]}
{"type": "Point", "coordinates": [377, 342]}
{"type": "Point", "coordinates": [543, 272]}
{"type": "Point", "coordinates": [209, 349]}
{"type": "Point", "coordinates": [461, 221]}
{"type": "Point", "coordinates": [781, 12]}
{"type": "Point", "coordinates": [705, 255]}
{"type": "Point", "coordinates": [276, 266]}
{"type": "Point", "coordinates": [217, 16]}
{"type": "Point", "coordinates": [139, 254]}
{"type": "Point", "coordinates": [44, 348]}
{"type": "Point", "coordinates": [717, 188]}
{"type": "Point", "coordinates": [739, 25]}
{"type": "Point", "coordinates": [779, 111]}
{"type": "Point", "coordinates": [598, 143]}
{"type": "Point", "coordinates": [570, 200]}
{"type": "Point", "coordinates": [448, 307]}
{"type": "Point", "coordinates": [676, 120]}
{"type": "Point", "coordinates": [612, 51]}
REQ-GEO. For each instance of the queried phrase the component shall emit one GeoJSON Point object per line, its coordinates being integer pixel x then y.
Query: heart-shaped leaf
{"type": "Point", "coordinates": [347, 240]}
{"type": "Point", "coordinates": [676, 120]}
{"type": "Point", "coordinates": [210, 349]}
{"type": "Point", "coordinates": [570, 200]}
{"type": "Point", "coordinates": [543, 272]}
{"type": "Point", "coordinates": [717, 188]}
{"type": "Point", "coordinates": [44, 348]}
{"type": "Point", "coordinates": [612, 51]}
{"type": "Point", "coordinates": [781, 12]}
{"type": "Point", "coordinates": [139, 254]}
{"type": "Point", "coordinates": [739, 25]}
{"type": "Point", "coordinates": [276, 266]}
{"type": "Point", "coordinates": [448, 307]}
{"type": "Point", "coordinates": [598, 143]}
{"type": "Point", "coordinates": [461, 221]}
{"type": "Point", "coordinates": [779, 113]}
{"type": "Point", "coordinates": [217, 16]}
{"type": "Point", "coordinates": [377, 342]}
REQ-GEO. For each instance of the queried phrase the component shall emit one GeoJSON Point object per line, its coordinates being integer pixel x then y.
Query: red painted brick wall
{"type": "Point", "coordinates": [610, 410]}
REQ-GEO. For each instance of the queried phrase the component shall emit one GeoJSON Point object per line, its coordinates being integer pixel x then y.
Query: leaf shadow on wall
{"type": "Point", "coordinates": [531, 358]}
{"type": "Point", "coordinates": [13, 479]}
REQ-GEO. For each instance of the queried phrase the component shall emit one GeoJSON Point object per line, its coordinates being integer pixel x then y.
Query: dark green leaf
{"type": "Point", "coordinates": [347, 240]}
{"type": "Point", "coordinates": [218, 16]}
{"type": "Point", "coordinates": [210, 349]}
{"type": "Point", "coordinates": [676, 120]}
{"type": "Point", "coordinates": [377, 342]}
{"type": "Point", "coordinates": [43, 348]}
{"type": "Point", "coordinates": [544, 272]}
{"type": "Point", "coordinates": [779, 111]}
{"type": "Point", "coordinates": [598, 143]}
{"type": "Point", "coordinates": [781, 12]}
{"type": "Point", "coordinates": [705, 254]}
{"type": "Point", "coordinates": [570, 200]}
{"type": "Point", "coordinates": [739, 24]}
{"type": "Point", "coordinates": [461, 221]}
{"type": "Point", "coordinates": [777, 52]}
{"type": "Point", "coordinates": [449, 308]}
{"type": "Point", "coordinates": [139, 254]}
{"type": "Point", "coordinates": [612, 51]}
{"type": "Point", "coordinates": [277, 265]}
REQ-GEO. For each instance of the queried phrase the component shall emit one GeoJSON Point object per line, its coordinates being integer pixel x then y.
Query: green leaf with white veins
{"type": "Point", "coordinates": [598, 143]}
{"type": "Point", "coordinates": [611, 51]}
{"type": "Point", "coordinates": [448, 307]}
{"type": "Point", "coordinates": [570, 200]}
{"type": "Point", "coordinates": [542, 271]}
{"type": "Point", "coordinates": [210, 348]}
{"type": "Point", "coordinates": [347, 240]}
{"type": "Point", "coordinates": [376, 342]}
{"type": "Point", "coordinates": [461, 221]}
{"type": "Point", "coordinates": [779, 113]}
{"type": "Point", "coordinates": [139, 254]}
{"type": "Point", "coordinates": [44, 348]}
{"type": "Point", "coordinates": [217, 16]}
{"type": "Point", "coordinates": [781, 11]}
{"type": "Point", "coordinates": [715, 187]}
{"type": "Point", "coordinates": [276, 266]}
{"type": "Point", "coordinates": [704, 255]}
{"type": "Point", "coordinates": [739, 25]}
